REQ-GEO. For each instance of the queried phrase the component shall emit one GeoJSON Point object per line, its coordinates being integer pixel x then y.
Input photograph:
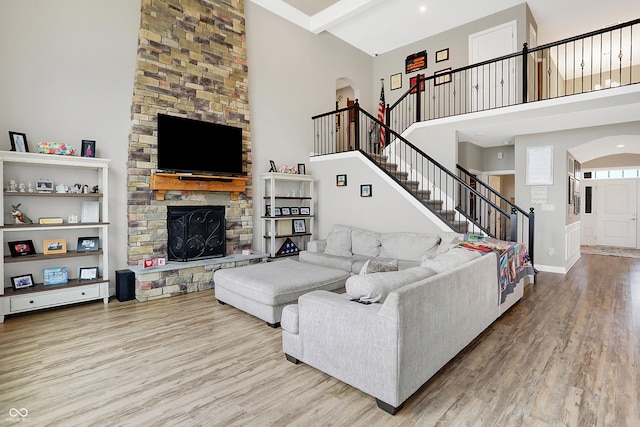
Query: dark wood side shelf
{"type": "Point", "coordinates": [288, 235]}
{"type": "Point", "coordinates": [41, 257]}
{"type": "Point", "coordinates": [163, 182]}
{"type": "Point", "coordinates": [39, 287]}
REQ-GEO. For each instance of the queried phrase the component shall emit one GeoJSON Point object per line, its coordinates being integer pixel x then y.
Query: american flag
{"type": "Point", "coordinates": [381, 115]}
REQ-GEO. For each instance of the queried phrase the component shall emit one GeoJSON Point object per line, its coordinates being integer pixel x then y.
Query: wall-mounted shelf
{"type": "Point", "coordinates": [163, 182]}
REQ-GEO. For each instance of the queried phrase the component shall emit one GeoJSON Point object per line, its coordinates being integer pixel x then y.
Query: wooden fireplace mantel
{"type": "Point", "coordinates": [163, 182]}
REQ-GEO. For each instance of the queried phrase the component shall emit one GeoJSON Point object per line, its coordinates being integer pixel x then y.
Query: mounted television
{"type": "Point", "coordinates": [194, 146]}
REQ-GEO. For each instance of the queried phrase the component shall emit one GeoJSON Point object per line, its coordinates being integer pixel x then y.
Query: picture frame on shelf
{"type": "Point", "coordinates": [90, 212]}
{"type": "Point", "coordinates": [277, 211]}
{"type": "Point", "coordinates": [88, 148]}
{"type": "Point", "coordinates": [23, 281]}
{"type": "Point", "coordinates": [301, 169]}
{"type": "Point", "coordinates": [88, 244]}
{"type": "Point", "coordinates": [20, 248]}
{"type": "Point", "coordinates": [366, 190]}
{"type": "Point", "coordinates": [295, 211]}
{"type": "Point", "coordinates": [18, 142]}
{"type": "Point", "coordinates": [54, 246]}
{"type": "Point", "coordinates": [288, 248]}
{"type": "Point", "coordinates": [267, 210]}
{"type": "Point", "coordinates": [272, 166]}
{"type": "Point", "coordinates": [286, 211]}
{"type": "Point", "coordinates": [305, 210]}
{"type": "Point", "coordinates": [88, 273]}
{"type": "Point", "coordinates": [44, 186]}
{"type": "Point", "coordinates": [299, 226]}
{"type": "Point", "coordinates": [284, 227]}
{"type": "Point", "coordinates": [55, 276]}
{"type": "Point", "coordinates": [341, 180]}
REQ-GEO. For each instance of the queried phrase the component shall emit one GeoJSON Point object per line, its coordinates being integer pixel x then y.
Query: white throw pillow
{"type": "Point", "coordinates": [376, 287]}
{"type": "Point", "coordinates": [450, 260]}
{"type": "Point", "coordinates": [364, 242]}
{"type": "Point", "coordinates": [339, 241]}
{"type": "Point", "coordinates": [377, 266]}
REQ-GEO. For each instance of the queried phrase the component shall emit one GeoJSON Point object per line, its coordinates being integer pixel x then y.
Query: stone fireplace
{"type": "Point", "coordinates": [192, 63]}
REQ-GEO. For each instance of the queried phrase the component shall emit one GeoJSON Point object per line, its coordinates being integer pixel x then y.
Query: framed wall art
{"type": "Point", "coordinates": [415, 62]}
{"type": "Point", "coordinates": [442, 55]}
{"type": "Point", "coordinates": [395, 81]}
{"type": "Point", "coordinates": [341, 180]}
{"type": "Point", "coordinates": [441, 77]}
{"type": "Point", "coordinates": [366, 190]}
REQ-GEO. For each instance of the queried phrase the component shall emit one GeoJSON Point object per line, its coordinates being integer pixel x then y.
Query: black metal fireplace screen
{"type": "Point", "coordinates": [195, 232]}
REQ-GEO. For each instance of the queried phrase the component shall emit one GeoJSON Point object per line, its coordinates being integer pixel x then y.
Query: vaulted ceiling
{"type": "Point", "coordinates": [378, 26]}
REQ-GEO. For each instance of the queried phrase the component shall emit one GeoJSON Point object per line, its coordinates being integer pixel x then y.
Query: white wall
{"type": "Point", "coordinates": [67, 75]}
{"type": "Point", "coordinates": [292, 77]}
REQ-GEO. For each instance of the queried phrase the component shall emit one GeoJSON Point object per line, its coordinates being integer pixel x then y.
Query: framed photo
{"type": "Point", "coordinates": [539, 165]}
{"type": "Point", "coordinates": [442, 77]}
{"type": "Point", "coordinates": [55, 276]}
{"type": "Point", "coordinates": [366, 190]}
{"type": "Point", "coordinates": [286, 211]}
{"type": "Point", "coordinates": [21, 248]}
{"type": "Point", "coordinates": [302, 169]}
{"type": "Point", "coordinates": [54, 246]}
{"type": "Point", "coordinates": [341, 180]}
{"type": "Point", "coordinates": [267, 210]}
{"type": "Point", "coordinates": [88, 148]}
{"type": "Point", "coordinates": [18, 142]}
{"type": "Point", "coordinates": [395, 81]}
{"type": "Point", "coordinates": [442, 55]}
{"type": "Point", "coordinates": [277, 211]}
{"type": "Point", "coordinates": [273, 167]}
{"type": "Point", "coordinates": [305, 211]}
{"type": "Point", "coordinates": [90, 212]}
{"type": "Point", "coordinates": [299, 226]}
{"type": "Point", "coordinates": [413, 80]}
{"type": "Point", "coordinates": [415, 62]}
{"type": "Point", "coordinates": [44, 186]}
{"type": "Point", "coordinates": [295, 211]}
{"type": "Point", "coordinates": [88, 273]}
{"type": "Point", "coordinates": [21, 282]}
{"type": "Point", "coordinates": [87, 244]}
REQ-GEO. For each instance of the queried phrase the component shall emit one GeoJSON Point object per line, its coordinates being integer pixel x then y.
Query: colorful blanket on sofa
{"type": "Point", "coordinates": [514, 262]}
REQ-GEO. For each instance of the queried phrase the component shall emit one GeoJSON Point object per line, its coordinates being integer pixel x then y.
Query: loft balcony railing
{"type": "Point", "coordinates": [457, 201]}
{"type": "Point", "coordinates": [594, 61]}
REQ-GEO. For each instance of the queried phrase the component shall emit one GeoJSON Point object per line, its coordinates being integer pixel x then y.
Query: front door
{"type": "Point", "coordinates": [616, 212]}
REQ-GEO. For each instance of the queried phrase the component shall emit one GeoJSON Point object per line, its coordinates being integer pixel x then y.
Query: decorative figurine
{"type": "Point", "coordinates": [29, 188]}
{"type": "Point", "coordinates": [19, 217]}
{"type": "Point", "coordinates": [22, 187]}
{"type": "Point", "coordinates": [13, 187]}
{"type": "Point", "coordinates": [61, 188]}
{"type": "Point", "coordinates": [77, 188]}
{"type": "Point", "coordinates": [73, 219]}
{"type": "Point", "coordinates": [85, 189]}
{"type": "Point", "coordinates": [95, 189]}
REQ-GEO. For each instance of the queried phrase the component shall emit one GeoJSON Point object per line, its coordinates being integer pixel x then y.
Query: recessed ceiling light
{"type": "Point", "coordinates": [479, 133]}
{"type": "Point", "coordinates": [423, 8]}
{"type": "Point", "coordinates": [620, 146]}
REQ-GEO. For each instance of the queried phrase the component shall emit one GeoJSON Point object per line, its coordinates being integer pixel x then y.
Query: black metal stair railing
{"type": "Point", "coordinates": [589, 62]}
{"type": "Point", "coordinates": [437, 188]}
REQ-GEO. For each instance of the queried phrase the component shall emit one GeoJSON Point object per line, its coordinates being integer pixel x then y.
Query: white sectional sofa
{"type": "Point", "coordinates": [393, 330]}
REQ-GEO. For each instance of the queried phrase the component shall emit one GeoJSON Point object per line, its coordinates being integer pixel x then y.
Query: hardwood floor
{"type": "Point", "coordinates": [567, 354]}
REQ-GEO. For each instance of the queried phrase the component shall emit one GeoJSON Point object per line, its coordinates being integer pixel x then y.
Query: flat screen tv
{"type": "Point", "coordinates": [194, 146]}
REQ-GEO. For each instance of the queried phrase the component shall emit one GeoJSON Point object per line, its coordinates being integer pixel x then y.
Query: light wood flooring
{"type": "Point", "coordinates": [567, 354]}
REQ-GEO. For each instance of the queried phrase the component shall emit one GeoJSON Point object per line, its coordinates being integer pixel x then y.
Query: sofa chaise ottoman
{"type": "Point", "coordinates": [263, 290]}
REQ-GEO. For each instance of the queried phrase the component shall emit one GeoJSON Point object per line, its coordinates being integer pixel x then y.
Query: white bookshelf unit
{"type": "Point", "coordinates": [28, 168]}
{"type": "Point", "coordinates": [284, 191]}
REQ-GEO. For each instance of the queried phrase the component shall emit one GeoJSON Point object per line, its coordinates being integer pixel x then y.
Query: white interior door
{"type": "Point", "coordinates": [617, 212]}
{"type": "Point", "coordinates": [493, 85]}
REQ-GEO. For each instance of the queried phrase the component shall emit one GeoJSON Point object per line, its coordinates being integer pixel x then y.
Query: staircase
{"type": "Point", "coordinates": [423, 195]}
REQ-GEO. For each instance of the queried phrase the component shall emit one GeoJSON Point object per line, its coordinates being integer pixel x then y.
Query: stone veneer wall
{"type": "Point", "coordinates": [192, 62]}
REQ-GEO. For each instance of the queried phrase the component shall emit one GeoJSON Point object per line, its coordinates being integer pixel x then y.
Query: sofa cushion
{"type": "Point", "coordinates": [378, 266]}
{"type": "Point", "coordinates": [365, 242]}
{"type": "Point", "coordinates": [448, 241]}
{"type": "Point", "coordinates": [375, 287]}
{"type": "Point", "coordinates": [325, 260]}
{"type": "Point", "coordinates": [450, 260]}
{"type": "Point", "coordinates": [339, 241]}
{"type": "Point", "coordinates": [407, 246]}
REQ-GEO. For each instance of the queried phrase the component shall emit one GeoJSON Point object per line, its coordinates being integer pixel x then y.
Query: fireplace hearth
{"type": "Point", "coordinates": [195, 232]}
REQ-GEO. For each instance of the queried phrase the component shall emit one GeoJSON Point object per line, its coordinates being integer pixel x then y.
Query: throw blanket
{"type": "Point", "coordinates": [513, 264]}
